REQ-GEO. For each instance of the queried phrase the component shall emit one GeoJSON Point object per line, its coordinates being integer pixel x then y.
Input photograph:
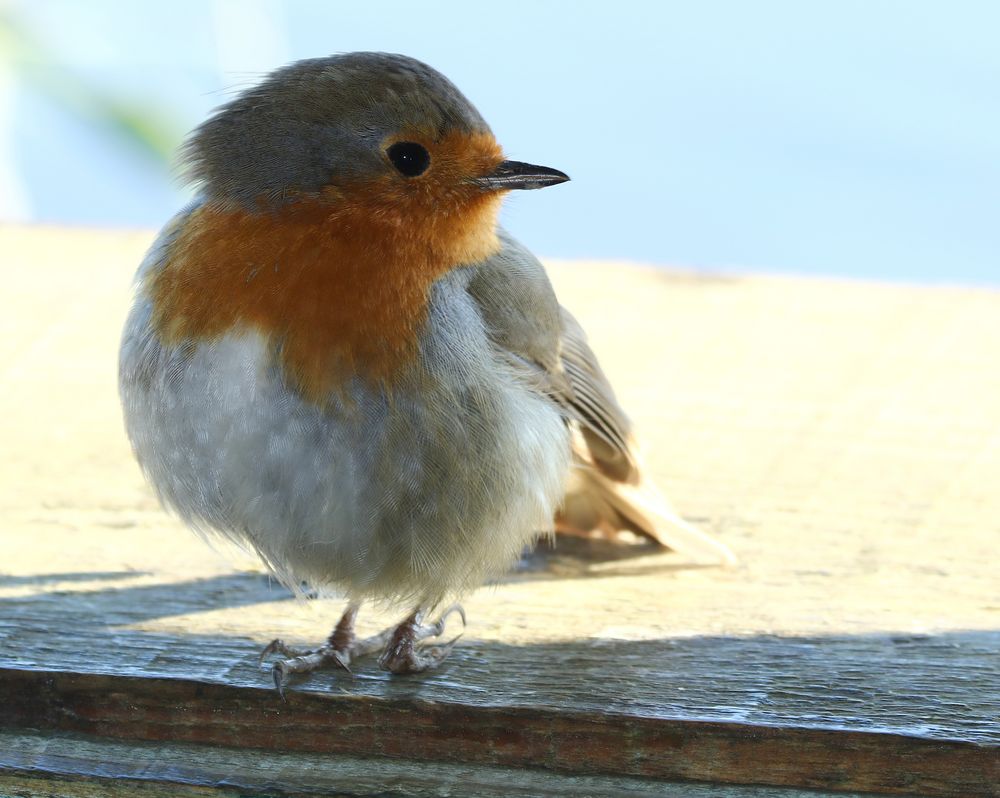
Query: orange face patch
{"type": "Point", "coordinates": [339, 282]}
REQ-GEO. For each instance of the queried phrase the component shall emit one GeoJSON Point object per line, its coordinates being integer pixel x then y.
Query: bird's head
{"type": "Point", "coordinates": [375, 141]}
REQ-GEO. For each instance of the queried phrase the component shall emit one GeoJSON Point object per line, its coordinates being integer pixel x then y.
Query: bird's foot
{"type": "Point", "coordinates": [301, 661]}
{"type": "Point", "coordinates": [403, 655]}
{"type": "Point", "coordinates": [400, 653]}
{"type": "Point", "coordinates": [337, 651]}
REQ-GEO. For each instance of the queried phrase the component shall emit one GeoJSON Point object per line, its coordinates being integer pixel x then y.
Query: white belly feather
{"type": "Point", "coordinates": [413, 496]}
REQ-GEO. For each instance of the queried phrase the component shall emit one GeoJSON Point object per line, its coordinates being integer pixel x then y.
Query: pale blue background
{"type": "Point", "coordinates": [844, 138]}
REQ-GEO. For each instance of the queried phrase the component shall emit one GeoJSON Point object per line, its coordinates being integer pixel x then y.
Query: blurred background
{"type": "Point", "coordinates": [837, 138]}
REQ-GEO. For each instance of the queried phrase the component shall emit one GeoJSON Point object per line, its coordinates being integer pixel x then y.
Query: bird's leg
{"type": "Point", "coordinates": [342, 637]}
{"type": "Point", "coordinates": [401, 653]}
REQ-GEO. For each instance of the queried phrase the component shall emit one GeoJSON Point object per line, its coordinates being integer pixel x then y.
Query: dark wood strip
{"type": "Point", "coordinates": [81, 766]}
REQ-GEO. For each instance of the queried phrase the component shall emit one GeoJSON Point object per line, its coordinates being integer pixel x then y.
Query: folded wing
{"type": "Point", "coordinates": [609, 489]}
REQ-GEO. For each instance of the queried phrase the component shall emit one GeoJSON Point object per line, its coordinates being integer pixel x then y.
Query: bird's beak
{"type": "Point", "coordinates": [514, 174]}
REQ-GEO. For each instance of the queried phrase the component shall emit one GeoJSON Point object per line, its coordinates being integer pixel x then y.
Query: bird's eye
{"type": "Point", "coordinates": [409, 158]}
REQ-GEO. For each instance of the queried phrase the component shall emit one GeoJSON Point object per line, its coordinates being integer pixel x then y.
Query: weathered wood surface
{"type": "Point", "coordinates": [843, 438]}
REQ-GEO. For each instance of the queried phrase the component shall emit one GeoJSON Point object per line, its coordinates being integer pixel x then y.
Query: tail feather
{"type": "Point", "coordinates": [596, 504]}
{"type": "Point", "coordinates": [609, 490]}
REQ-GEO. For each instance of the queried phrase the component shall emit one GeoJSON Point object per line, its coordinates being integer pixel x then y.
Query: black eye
{"type": "Point", "coordinates": [409, 158]}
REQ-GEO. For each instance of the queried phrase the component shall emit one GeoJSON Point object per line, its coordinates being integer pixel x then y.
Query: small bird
{"type": "Point", "coordinates": [336, 358]}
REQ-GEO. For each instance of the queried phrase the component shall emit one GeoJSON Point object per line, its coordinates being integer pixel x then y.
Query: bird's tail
{"type": "Point", "coordinates": [598, 505]}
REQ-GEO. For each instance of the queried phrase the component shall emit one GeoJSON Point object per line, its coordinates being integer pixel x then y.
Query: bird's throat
{"type": "Point", "coordinates": [337, 295]}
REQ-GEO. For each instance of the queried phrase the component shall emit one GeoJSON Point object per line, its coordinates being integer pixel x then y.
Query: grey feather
{"type": "Point", "coordinates": [548, 351]}
{"type": "Point", "coordinates": [525, 319]}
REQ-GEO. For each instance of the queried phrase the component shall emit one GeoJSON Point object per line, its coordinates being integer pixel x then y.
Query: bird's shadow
{"type": "Point", "coordinates": [12, 580]}
{"type": "Point", "coordinates": [568, 557]}
{"type": "Point", "coordinates": [574, 557]}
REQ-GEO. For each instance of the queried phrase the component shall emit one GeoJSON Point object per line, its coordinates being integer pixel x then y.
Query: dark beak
{"type": "Point", "coordinates": [514, 174]}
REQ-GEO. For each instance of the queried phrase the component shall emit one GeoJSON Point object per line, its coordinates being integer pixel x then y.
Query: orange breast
{"type": "Point", "coordinates": [339, 288]}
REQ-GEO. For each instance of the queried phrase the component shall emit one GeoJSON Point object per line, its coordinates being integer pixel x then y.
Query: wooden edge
{"type": "Point", "coordinates": [175, 710]}
{"type": "Point", "coordinates": [178, 710]}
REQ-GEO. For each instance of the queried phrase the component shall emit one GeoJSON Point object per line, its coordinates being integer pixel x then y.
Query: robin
{"type": "Point", "coordinates": [337, 358]}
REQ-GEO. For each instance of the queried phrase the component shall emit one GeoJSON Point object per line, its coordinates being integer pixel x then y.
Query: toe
{"type": "Point", "coordinates": [404, 657]}
{"type": "Point", "coordinates": [277, 646]}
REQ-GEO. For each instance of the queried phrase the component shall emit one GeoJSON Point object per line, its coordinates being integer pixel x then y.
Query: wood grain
{"type": "Point", "coordinates": [89, 766]}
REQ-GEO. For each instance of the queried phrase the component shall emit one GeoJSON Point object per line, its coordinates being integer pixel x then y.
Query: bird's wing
{"type": "Point", "coordinates": [604, 426]}
{"type": "Point", "coordinates": [548, 348]}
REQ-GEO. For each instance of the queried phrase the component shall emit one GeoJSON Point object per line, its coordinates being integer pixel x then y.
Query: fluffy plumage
{"type": "Point", "coordinates": [348, 367]}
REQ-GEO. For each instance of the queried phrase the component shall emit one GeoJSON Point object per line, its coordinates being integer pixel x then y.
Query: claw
{"type": "Point", "coordinates": [437, 628]}
{"type": "Point", "coordinates": [279, 676]}
{"type": "Point", "coordinates": [454, 608]}
{"type": "Point", "coordinates": [343, 661]}
{"type": "Point", "coordinates": [441, 652]}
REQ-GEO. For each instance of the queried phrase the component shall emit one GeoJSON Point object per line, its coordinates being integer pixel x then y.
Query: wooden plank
{"type": "Point", "coordinates": [143, 708]}
{"type": "Point", "coordinates": [86, 766]}
{"type": "Point", "coordinates": [843, 437]}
